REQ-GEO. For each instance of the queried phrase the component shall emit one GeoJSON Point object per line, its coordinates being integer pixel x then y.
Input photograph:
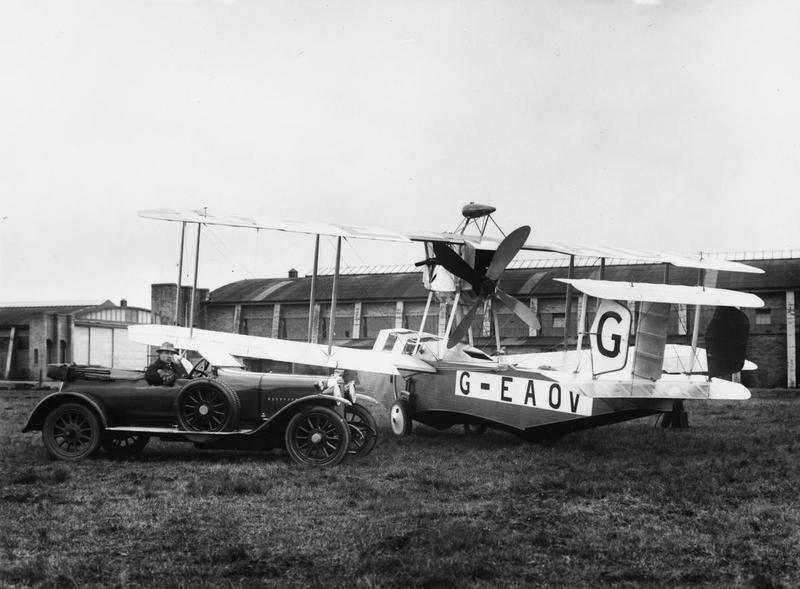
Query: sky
{"type": "Point", "coordinates": [671, 125]}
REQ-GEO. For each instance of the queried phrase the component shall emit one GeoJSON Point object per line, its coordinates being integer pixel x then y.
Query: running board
{"type": "Point", "coordinates": [169, 430]}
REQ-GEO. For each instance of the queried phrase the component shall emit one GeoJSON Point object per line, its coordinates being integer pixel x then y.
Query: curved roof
{"type": "Point", "coordinates": [779, 275]}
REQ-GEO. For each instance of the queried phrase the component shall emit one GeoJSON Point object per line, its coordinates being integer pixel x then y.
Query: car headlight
{"type": "Point", "coordinates": [324, 384]}
{"type": "Point", "coordinates": [350, 387]}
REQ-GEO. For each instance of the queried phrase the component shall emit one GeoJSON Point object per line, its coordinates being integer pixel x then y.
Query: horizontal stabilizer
{"type": "Point", "coordinates": [664, 293]}
{"type": "Point", "coordinates": [249, 346]}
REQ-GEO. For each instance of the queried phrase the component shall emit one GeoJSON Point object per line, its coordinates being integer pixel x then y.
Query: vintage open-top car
{"type": "Point", "coordinates": [317, 420]}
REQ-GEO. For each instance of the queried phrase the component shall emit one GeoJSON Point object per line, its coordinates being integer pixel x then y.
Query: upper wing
{"type": "Point", "coordinates": [644, 255]}
{"type": "Point", "coordinates": [664, 293]}
{"type": "Point", "coordinates": [593, 251]}
{"type": "Point", "coordinates": [250, 346]}
{"type": "Point", "coordinates": [477, 241]}
{"type": "Point", "coordinates": [310, 227]}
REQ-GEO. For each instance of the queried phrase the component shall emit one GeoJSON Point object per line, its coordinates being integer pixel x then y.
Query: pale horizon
{"type": "Point", "coordinates": [663, 125]}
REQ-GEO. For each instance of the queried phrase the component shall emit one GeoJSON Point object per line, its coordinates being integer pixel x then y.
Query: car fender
{"type": "Point", "coordinates": [37, 417]}
{"type": "Point", "coordinates": [282, 417]}
{"type": "Point", "coordinates": [360, 397]}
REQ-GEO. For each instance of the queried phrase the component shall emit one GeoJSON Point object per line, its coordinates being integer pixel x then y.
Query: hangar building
{"type": "Point", "coordinates": [33, 335]}
{"type": "Point", "coordinates": [376, 298]}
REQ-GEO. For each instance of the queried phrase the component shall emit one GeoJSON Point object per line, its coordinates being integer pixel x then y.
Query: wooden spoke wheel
{"type": "Point", "coordinates": [124, 443]}
{"type": "Point", "coordinates": [317, 436]}
{"type": "Point", "coordinates": [207, 406]}
{"type": "Point", "coordinates": [363, 429]}
{"type": "Point", "coordinates": [71, 431]}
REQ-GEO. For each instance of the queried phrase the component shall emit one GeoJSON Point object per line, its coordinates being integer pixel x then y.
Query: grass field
{"type": "Point", "coordinates": [628, 505]}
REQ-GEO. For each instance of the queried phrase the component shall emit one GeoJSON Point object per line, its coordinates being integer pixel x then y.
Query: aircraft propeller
{"type": "Point", "coordinates": [485, 286]}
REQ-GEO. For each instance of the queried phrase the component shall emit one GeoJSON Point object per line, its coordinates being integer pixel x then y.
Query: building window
{"type": "Point", "coordinates": [559, 321]}
{"type": "Point", "coordinates": [36, 355]}
{"type": "Point", "coordinates": [282, 328]}
{"type": "Point", "coordinates": [763, 316]}
{"type": "Point", "coordinates": [323, 328]}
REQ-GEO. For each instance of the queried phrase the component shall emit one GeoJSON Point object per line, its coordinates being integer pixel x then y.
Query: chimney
{"type": "Point", "coordinates": [292, 273]}
{"type": "Point", "coordinates": [123, 303]}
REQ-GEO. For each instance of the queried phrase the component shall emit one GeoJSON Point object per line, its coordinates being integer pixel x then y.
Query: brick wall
{"type": "Point", "coordinates": [220, 318]}
{"type": "Point", "coordinates": [162, 304]}
{"type": "Point", "coordinates": [769, 353]}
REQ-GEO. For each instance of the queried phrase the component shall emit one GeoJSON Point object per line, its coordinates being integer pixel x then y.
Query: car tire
{"type": "Point", "coordinates": [363, 430]}
{"type": "Point", "coordinates": [474, 429]}
{"type": "Point", "coordinates": [400, 418]}
{"type": "Point", "coordinates": [207, 406]}
{"type": "Point", "coordinates": [123, 444]}
{"type": "Point", "coordinates": [71, 431]}
{"type": "Point", "coordinates": [317, 436]}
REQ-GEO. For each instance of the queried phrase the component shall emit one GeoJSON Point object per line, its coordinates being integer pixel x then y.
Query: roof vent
{"type": "Point", "coordinates": [292, 273]}
{"type": "Point", "coordinates": [123, 303]}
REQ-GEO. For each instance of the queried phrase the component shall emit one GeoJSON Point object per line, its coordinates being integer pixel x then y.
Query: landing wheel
{"type": "Point", "coordinates": [363, 430]}
{"type": "Point", "coordinates": [400, 418]}
{"type": "Point", "coordinates": [473, 430]}
{"type": "Point", "coordinates": [317, 436]}
{"type": "Point", "coordinates": [71, 432]}
{"type": "Point", "coordinates": [207, 406]}
{"type": "Point", "coordinates": [122, 444]}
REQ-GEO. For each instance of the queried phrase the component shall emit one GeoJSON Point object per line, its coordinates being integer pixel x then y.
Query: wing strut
{"type": "Point", "coordinates": [312, 299]}
{"type": "Point", "coordinates": [180, 276]}
{"type": "Point", "coordinates": [583, 303]}
{"type": "Point", "coordinates": [334, 293]}
{"type": "Point", "coordinates": [696, 326]}
{"type": "Point", "coordinates": [568, 306]}
{"type": "Point", "coordinates": [194, 284]}
{"type": "Point", "coordinates": [422, 323]}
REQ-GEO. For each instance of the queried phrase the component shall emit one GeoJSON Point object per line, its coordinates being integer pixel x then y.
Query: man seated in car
{"type": "Point", "coordinates": [165, 369]}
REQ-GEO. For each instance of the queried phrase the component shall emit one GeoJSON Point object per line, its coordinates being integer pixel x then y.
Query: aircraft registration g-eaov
{"type": "Point", "coordinates": [620, 366]}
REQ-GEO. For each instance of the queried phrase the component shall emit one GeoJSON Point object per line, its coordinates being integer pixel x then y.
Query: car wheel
{"type": "Point", "coordinates": [400, 418]}
{"type": "Point", "coordinates": [363, 429]}
{"type": "Point", "coordinates": [71, 431]}
{"type": "Point", "coordinates": [472, 429]}
{"type": "Point", "coordinates": [122, 444]}
{"type": "Point", "coordinates": [317, 436]}
{"type": "Point", "coordinates": [207, 406]}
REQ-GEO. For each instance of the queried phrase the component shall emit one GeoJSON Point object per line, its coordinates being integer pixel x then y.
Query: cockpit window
{"type": "Point", "coordinates": [477, 354]}
{"type": "Point", "coordinates": [390, 341]}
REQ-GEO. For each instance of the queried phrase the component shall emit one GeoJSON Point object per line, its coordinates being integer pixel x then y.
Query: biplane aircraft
{"type": "Point", "coordinates": [620, 368]}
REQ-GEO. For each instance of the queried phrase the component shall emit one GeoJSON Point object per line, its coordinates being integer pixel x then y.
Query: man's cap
{"type": "Point", "coordinates": [167, 347]}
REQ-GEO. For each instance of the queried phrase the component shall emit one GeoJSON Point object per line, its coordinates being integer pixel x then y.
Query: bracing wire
{"type": "Point", "coordinates": [218, 244]}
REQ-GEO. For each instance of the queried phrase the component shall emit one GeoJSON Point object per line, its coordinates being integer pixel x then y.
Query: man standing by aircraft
{"type": "Point", "coordinates": [165, 370]}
